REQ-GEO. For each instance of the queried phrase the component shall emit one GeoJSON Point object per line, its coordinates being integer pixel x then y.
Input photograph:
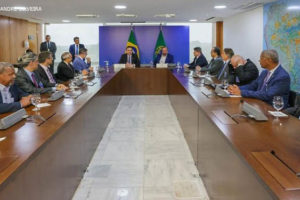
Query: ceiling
{"type": "Point", "coordinates": [54, 11]}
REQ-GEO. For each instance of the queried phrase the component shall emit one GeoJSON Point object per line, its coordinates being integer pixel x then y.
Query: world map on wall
{"type": "Point", "coordinates": [282, 32]}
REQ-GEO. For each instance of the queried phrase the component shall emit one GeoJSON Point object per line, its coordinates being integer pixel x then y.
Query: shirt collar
{"type": "Point", "coordinates": [2, 87]}
{"type": "Point", "coordinates": [273, 70]}
{"type": "Point", "coordinates": [44, 67]}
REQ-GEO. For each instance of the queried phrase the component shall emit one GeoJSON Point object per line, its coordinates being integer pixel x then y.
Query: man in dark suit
{"type": "Point", "coordinates": [74, 48]}
{"type": "Point", "coordinates": [129, 58]}
{"type": "Point", "coordinates": [45, 60]}
{"type": "Point", "coordinates": [199, 60]}
{"type": "Point", "coordinates": [65, 70]}
{"type": "Point", "coordinates": [49, 46]}
{"type": "Point", "coordinates": [29, 80]}
{"type": "Point", "coordinates": [164, 57]}
{"type": "Point", "coordinates": [227, 69]}
{"type": "Point", "coordinates": [12, 98]}
{"type": "Point", "coordinates": [273, 81]}
{"type": "Point", "coordinates": [245, 71]}
{"type": "Point", "coordinates": [216, 64]}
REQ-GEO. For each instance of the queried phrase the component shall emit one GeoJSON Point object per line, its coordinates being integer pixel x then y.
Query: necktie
{"type": "Point", "coordinates": [51, 79]}
{"type": "Point", "coordinates": [76, 49]}
{"type": "Point", "coordinates": [129, 59]}
{"type": "Point", "coordinates": [265, 80]}
{"type": "Point", "coordinates": [34, 80]}
{"type": "Point", "coordinates": [222, 71]}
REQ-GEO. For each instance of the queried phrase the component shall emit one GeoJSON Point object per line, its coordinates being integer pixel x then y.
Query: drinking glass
{"type": "Point", "coordinates": [35, 100]}
{"type": "Point", "coordinates": [278, 103]}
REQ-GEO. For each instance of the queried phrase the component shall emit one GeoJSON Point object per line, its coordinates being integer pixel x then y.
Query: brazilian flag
{"type": "Point", "coordinates": [132, 43]}
{"type": "Point", "coordinates": [160, 43]}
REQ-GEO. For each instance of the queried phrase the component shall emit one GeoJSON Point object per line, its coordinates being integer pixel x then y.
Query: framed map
{"type": "Point", "coordinates": [282, 32]}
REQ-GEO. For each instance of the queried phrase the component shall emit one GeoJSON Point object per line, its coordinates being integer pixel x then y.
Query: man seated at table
{"type": "Point", "coordinates": [79, 63]}
{"type": "Point", "coordinates": [273, 81]}
{"type": "Point", "coordinates": [245, 71]}
{"type": "Point", "coordinates": [215, 65]}
{"type": "Point", "coordinates": [227, 69]}
{"type": "Point", "coordinates": [199, 60]}
{"type": "Point", "coordinates": [29, 80]}
{"type": "Point", "coordinates": [12, 97]}
{"type": "Point", "coordinates": [65, 70]}
{"type": "Point", "coordinates": [164, 57]}
{"type": "Point", "coordinates": [45, 62]}
{"type": "Point", "coordinates": [129, 58]}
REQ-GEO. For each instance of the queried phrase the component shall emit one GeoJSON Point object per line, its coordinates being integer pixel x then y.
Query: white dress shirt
{"type": "Point", "coordinates": [6, 95]}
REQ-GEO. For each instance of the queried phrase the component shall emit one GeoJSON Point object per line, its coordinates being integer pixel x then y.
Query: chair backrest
{"type": "Point", "coordinates": [294, 99]}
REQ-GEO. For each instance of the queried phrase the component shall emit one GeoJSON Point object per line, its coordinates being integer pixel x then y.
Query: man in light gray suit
{"type": "Point", "coordinates": [28, 80]}
{"type": "Point", "coordinates": [216, 64]}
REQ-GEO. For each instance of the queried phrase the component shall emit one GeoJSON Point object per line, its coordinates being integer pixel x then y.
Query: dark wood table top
{"type": "Point", "coordinates": [25, 138]}
{"type": "Point", "coordinates": [247, 136]}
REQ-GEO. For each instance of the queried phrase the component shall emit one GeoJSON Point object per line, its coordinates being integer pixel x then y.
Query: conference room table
{"type": "Point", "coordinates": [237, 158]}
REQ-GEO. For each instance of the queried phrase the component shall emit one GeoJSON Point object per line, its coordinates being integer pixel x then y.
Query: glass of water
{"type": "Point", "coordinates": [35, 100]}
{"type": "Point", "coordinates": [278, 103]}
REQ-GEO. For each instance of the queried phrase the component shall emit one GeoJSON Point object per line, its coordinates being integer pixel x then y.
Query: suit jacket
{"type": "Point", "coordinates": [225, 71]}
{"type": "Point", "coordinates": [277, 85]}
{"type": "Point", "coordinates": [245, 74]}
{"type": "Point", "coordinates": [135, 60]}
{"type": "Point", "coordinates": [44, 76]}
{"type": "Point", "coordinates": [24, 82]}
{"type": "Point", "coordinates": [72, 49]}
{"type": "Point", "coordinates": [201, 61]}
{"type": "Point", "coordinates": [52, 48]}
{"type": "Point", "coordinates": [169, 59]}
{"type": "Point", "coordinates": [65, 72]}
{"type": "Point", "coordinates": [79, 64]}
{"type": "Point", "coordinates": [17, 94]}
{"type": "Point", "coordinates": [214, 67]}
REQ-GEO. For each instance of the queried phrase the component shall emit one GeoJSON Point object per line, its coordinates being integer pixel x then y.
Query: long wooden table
{"type": "Point", "coordinates": [233, 155]}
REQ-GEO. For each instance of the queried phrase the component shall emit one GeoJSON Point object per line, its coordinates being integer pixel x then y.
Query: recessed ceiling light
{"type": "Point", "coordinates": [120, 7]}
{"type": "Point", "coordinates": [193, 20]}
{"type": "Point", "coordinates": [87, 16]}
{"type": "Point", "coordinates": [126, 15]}
{"type": "Point", "coordinates": [220, 7]}
{"type": "Point", "coordinates": [66, 21]}
{"type": "Point", "coordinates": [19, 8]}
{"type": "Point", "coordinates": [294, 7]}
{"type": "Point", "coordinates": [165, 15]}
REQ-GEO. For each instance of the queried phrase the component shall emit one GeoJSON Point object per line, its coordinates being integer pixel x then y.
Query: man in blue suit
{"type": "Point", "coordinates": [74, 48]}
{"type": "Point", "coordinates": [273, 81]}
{"type": "Point", "coordinates": [79, 63]}
{"type": "Point", "coordinates": [12, 98]}
{"type": "Point", "coordinates": [164, 57]}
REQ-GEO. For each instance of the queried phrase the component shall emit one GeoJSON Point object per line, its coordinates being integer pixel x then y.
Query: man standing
{"type": "Point", "coordinates": [199, 60]}
{"type": "Point", "coordinates": [273, 81]}
{"type": "Point", "coordinates": [129, 58]}
{"type": "Point", "coordinates": [74, 48]}
{"type": "Point", "coordinates": [12, 98]}
{"type": "Point", "coordinates": [51, 47]}
{"type": "Point", "coordinates": [164, 57]}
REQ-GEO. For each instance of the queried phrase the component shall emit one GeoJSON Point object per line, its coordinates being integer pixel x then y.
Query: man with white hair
{"type": "Point", "coordinates": [12, 98]}
{"type": "Point", "coordinates": [273, 81]}
{"type": "Point", "coordinates": [244, 71]}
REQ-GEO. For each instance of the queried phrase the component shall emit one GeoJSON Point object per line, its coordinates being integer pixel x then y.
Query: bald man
{"type": "Point", "coordinates": [245, 71]}
{"type": "Point", "coordinates": [273, 81]}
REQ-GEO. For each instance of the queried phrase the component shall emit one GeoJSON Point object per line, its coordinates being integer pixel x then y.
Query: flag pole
{"type": "Point", "coordinates": [160, 26]}
{"type": "Point", "coordinates": [131, 26]}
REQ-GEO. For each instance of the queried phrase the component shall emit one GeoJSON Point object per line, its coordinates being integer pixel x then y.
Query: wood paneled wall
{"type": "Point", "coordinates": [13, 33]}
{"type": "Point", "coordinates": [219, 34]}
